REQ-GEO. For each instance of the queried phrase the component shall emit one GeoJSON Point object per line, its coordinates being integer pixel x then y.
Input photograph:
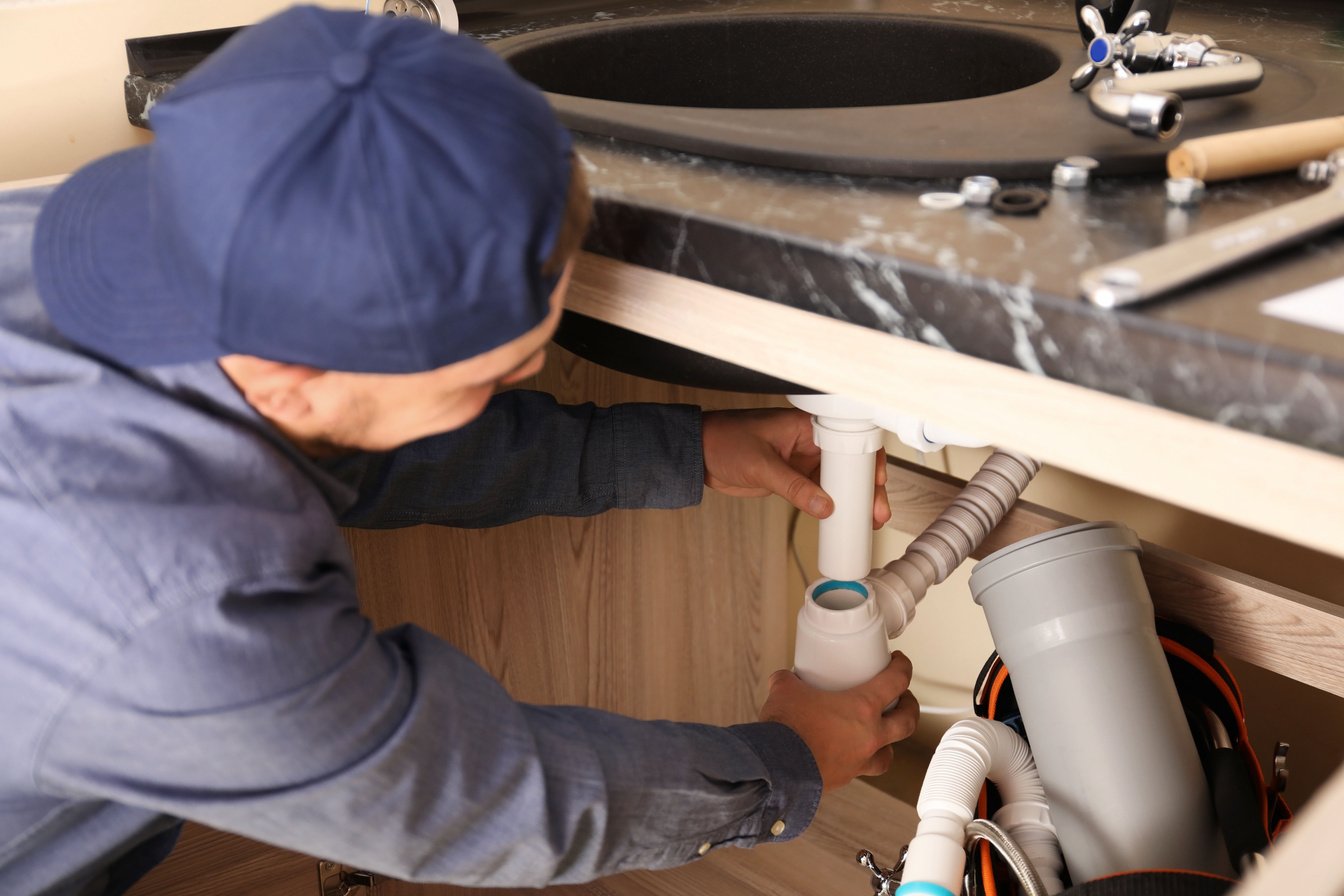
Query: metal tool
{"type": "Point", "coordinates": [1161, 270]}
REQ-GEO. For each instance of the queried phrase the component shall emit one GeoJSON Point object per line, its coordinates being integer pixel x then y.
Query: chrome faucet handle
{"type": "Point", "coordinates": [884, 881]}
{"type": "Point", "coordinates": [1107, 50]}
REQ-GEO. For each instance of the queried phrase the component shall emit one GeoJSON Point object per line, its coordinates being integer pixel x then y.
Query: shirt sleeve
{"type": "Point", "coordinates": [527, 455]}
{"type": "Point", "coordinates": [279, 714]}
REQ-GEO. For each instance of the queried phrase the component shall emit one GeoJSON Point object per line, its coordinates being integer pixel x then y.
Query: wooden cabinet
{"type": "Point", "coordinates": [678, 614]}
{"type": "Point", "coordinates": [683, 614]}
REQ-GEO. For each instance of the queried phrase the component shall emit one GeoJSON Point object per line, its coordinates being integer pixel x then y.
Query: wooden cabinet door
{"type": "Point", "coordinates": [657, 614]}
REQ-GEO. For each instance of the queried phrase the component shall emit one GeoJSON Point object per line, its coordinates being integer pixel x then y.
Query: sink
{"type": "Point", "coordinates": [861, 93]}
{"type": "Point", "coordinates": [800, 61]}
{"type": "Point", "coordinates": [856, 93]}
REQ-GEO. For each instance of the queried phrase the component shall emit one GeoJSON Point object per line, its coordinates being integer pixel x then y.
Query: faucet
{"type": "Point", "coordinates": [1150, 72]}
{"type": "Point", "coordinates": [1114, 12]}
{"type": "Point", "coordinates": [436, 12]}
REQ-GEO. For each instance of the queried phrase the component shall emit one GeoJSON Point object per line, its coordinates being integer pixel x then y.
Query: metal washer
{"type": "Point", "coordinates": [941, 202]}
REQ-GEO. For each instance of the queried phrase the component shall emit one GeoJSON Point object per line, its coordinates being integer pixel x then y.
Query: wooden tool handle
{"type": "Point", "coordinates": [1259, 151]}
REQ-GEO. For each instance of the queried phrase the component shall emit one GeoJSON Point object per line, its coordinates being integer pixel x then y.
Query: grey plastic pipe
{"type": "Point", "coordinates": [1072, 619]}
{"type": "Point", "coordinates": [950, 538]}
{"type": "Point", "coordinates": [971, 752]}
{"type": "Point", "coordinates": [843, 625]}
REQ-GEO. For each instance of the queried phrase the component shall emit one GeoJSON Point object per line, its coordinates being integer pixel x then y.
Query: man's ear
{"type": "Point", "coordinates": [272, 387]}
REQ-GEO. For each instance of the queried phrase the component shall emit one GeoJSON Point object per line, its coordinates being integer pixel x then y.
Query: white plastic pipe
{"type": "Point", "coordinates": [973, 751]}
{"type": "Point", "coordinates": [841, 640]}
{"type": "Point", "coordinates": [848, 469]}
{"type": "Point", "coordinates": [849, 434]}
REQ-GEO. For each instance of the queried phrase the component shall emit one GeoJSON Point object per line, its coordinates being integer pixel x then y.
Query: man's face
{"type": "Point", "coordinates": [331, 411]}
{"type": "Point", "coordinates": [376, 412]}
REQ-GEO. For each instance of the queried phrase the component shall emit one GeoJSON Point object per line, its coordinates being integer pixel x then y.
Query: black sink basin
{"type": "Point", "coordinates": [783, 62]}
{"type": "Point", "coordinates": [861, 93]}
{"type": "Point", "coordinates": [854, 93]}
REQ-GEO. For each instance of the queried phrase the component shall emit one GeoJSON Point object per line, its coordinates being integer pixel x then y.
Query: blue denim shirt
{"type": "Point", "coordinates": [182, 639]}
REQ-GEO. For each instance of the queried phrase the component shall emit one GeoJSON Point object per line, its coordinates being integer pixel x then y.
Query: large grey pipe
{"type": "Point", "coordinates": [1072, 619]}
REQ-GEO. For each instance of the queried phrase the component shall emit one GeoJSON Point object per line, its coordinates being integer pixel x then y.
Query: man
{"type": "Point", "coordinates": [288, 313]}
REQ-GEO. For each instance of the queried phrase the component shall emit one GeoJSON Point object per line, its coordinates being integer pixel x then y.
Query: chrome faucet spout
{"type": "Point", "coordinates": [1150, 74]}
{"type": "Point", "coordinates": [1152, 105]}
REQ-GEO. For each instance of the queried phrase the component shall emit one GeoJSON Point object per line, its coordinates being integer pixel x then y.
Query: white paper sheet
{"type": "Point", "coordinates": [1320, 306]}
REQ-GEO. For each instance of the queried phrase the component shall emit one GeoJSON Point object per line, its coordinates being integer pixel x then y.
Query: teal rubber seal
{"type": "Point", "coordinates": [923, 888]}
{"type": "Point", "coordinates": [838, 585]}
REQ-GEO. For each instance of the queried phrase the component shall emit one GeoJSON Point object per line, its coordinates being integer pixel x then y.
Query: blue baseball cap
{"type": "Point", "coordinates": [349, 192]}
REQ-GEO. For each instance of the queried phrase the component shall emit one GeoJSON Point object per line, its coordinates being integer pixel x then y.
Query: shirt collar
{"type": "Point", "coordinates": [204, 385]}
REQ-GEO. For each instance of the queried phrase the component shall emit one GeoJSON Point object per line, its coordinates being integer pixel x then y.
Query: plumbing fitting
{"type": "Point", "coordinates": [848, 464]}
{"type": "Point", "coordinates": [883, 880]}
{"type": "Point", "coordinates": [1020, 201]}
{"type": "Point", "coordinates": [436, 12]}
{"type": "Point", "coordinates": [949, 539]}
{"type": "Point", "coordinates": [1115, 12]}
{"type": "Point", "coordinates": [1071, 616]}
{"type": "Point", "coordinates": [979, 189]}
{"type": "Point", "coordinates": [1184, 191]}
{"type": "Point", "coordinates": [970, 753]}
{"type": "Point", "coordinates": [1321, 171]}
{"type": "Point", "coordinates": [1074, 172]}
{"type": "Point", "coordinates": [849, 434]}
{"type": "Point", "coordinates": [941, 202]}
{"type": "Point", "coordinates": [841, 641]}
{"type": "Point", "coordinates": [1152, 74]}
{"type": "Point", "coordinates": [844, 623]}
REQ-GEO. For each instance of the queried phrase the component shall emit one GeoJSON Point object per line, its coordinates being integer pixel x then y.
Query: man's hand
{"type": "Point", "coordinates": [847, 731]}
{"type": "Point", "coordinates": [770, 451]}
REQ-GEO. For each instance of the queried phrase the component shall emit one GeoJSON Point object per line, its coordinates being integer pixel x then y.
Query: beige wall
{"type": "Point", "coordinates": [61, 68]}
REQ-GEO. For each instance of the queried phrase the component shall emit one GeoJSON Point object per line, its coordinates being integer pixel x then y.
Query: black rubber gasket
{"type": "Point", "coordinates": [1019, 201]}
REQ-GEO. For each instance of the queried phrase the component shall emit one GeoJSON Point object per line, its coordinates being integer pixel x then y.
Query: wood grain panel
{"type": "Point", "coordinates": [207, 862]}
{"type": "Point", "coordinates": [670, 614]}
{"type": "Point", "coordinates": [1279, 629]}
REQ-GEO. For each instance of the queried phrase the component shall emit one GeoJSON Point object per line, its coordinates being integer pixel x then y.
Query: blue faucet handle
{"type": "Point", "coordinates": [1105, 50]}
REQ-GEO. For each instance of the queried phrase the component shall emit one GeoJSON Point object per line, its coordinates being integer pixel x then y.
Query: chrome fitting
{"type": "Point", "coordinates": [1184, 191]}
{"type": "Point", "coordinates": [1155, 114]}
{"type": "Point", "coordinates": [1318, 171]}
{"type": "Point", "coordinates": [979, 189]}
{"type": "Point", "coordinates": [1073, 173]}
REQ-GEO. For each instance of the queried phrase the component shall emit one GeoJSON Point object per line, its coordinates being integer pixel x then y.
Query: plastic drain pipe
{"type": "Point", "coordinates": [848, 614]}
{"type": "Point", "coordinates": [971, 752]}
{"type": "Point", "coordinates": [949, 539]}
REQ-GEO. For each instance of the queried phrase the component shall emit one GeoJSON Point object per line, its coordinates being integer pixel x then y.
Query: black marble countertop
{"type": "Point", "coordinates": [997, 287]}
{"type": "Point", "coordinates": [1000, 288]}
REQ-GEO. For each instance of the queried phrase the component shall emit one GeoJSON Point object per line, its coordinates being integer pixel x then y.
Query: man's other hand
{"type": "Point", "coordinates": [847, 731]}
{"type": "Point", "coordinates": [770, 451]}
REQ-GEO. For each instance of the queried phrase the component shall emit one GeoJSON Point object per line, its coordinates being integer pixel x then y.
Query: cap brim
{"type": "Point", "coordinates": [103, 278]}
